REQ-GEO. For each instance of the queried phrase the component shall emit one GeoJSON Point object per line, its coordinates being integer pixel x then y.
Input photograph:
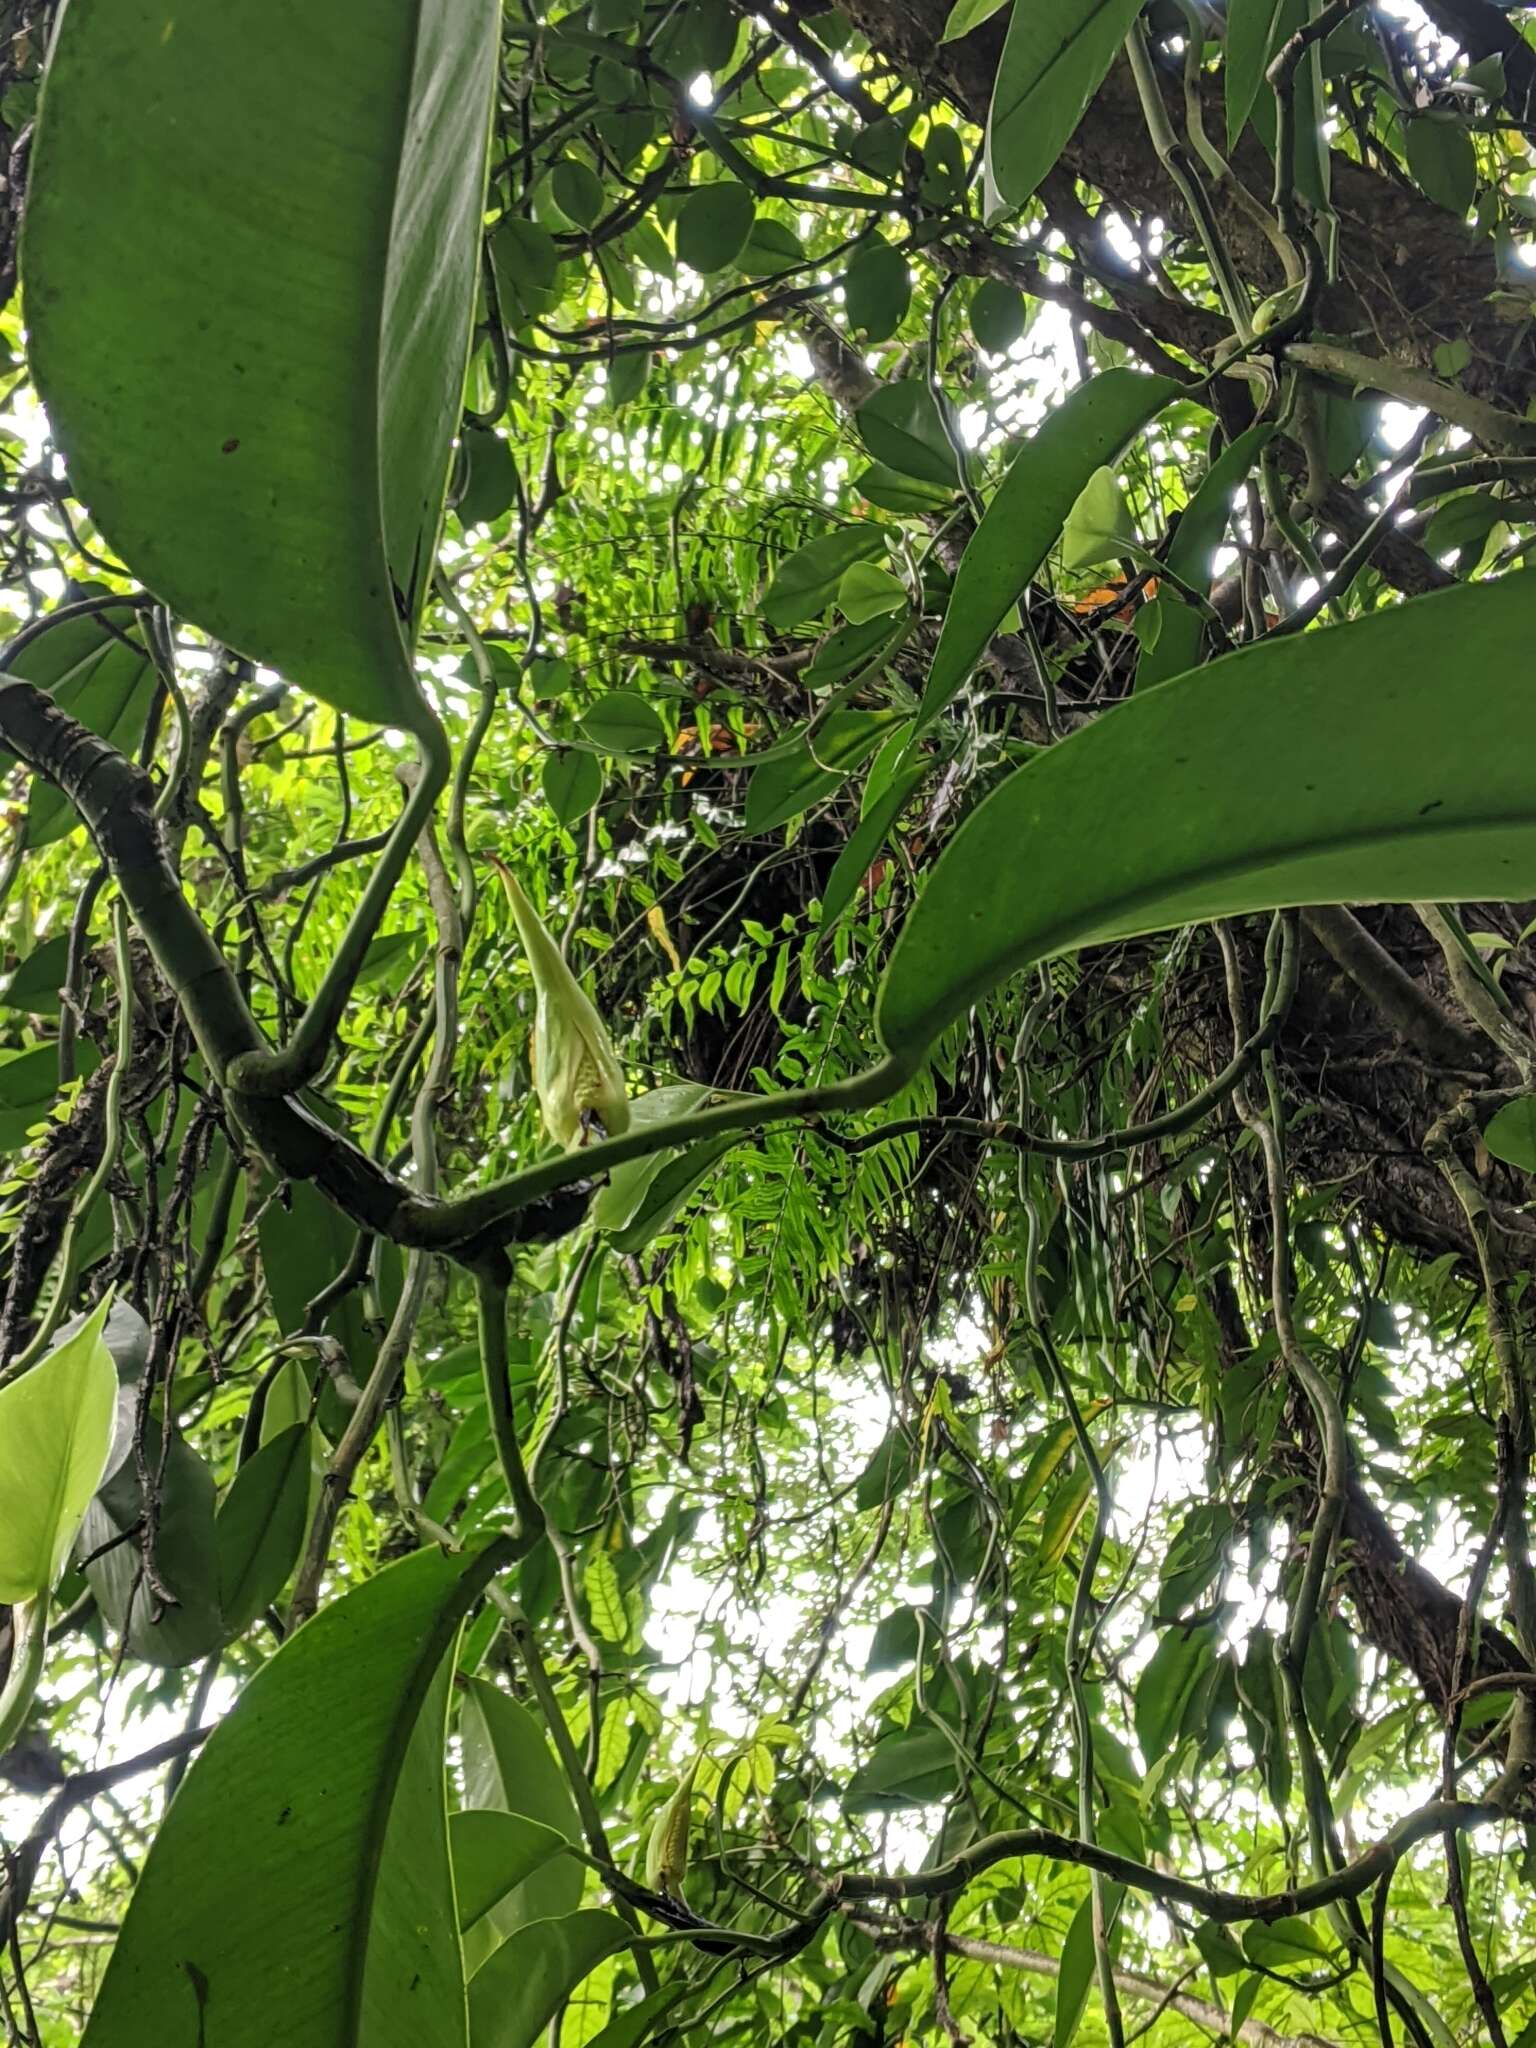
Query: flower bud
{"type": "Point", "coordinates": [575, 1069]}
{"type": "Point", "coordinates": [666, 1853]}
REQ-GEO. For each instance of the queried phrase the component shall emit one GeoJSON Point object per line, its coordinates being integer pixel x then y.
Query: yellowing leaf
{"type": "Point", "coordinates": [656, 925]}
{"type": "Point", "coordinates": [55, 1432]}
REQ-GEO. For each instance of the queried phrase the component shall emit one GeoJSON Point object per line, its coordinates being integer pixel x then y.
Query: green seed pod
{"type": "Point", "coordinates": [575, 1069]}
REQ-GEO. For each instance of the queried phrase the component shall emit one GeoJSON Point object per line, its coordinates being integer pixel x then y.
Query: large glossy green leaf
{"type": "Point", "coordinates": [29, 1086]}
{"type": "Point", "coordinates": [319, 1909]}
{"type": "Point", "coordinates": [1164, 1688]}
{"type": "Point", "coordinates": [1343, 766]}
{"type": "Point", "coordinates": [864, 843]}
{"type": "Point", "coordinates": [55, 1433]}
{"type": "Point", "coordinates": [1442, 159]}
{"type": "Point", "coordinates": [965, 15]}
{"type": "Point", "coordinates": [629, 1185]}
{"type": "Point", "coordinates": [1099, 526]}
{"type": "Point", "coordinates": [1053, 62]}
{"type": "Point", "coordinates": [679, 1175]}
{"type": "Point", "coordinates": [305, 1241]}
{"type": "Point", "coordinates": [1256, 32]}
{"type": "Point", "coordinates": [1079, 1963]}
{"type": "Point", "coordinates": [127, 1338]}
{"type": "Point", "coordinates": [1027, 512]}
{"type": "Point", "coordinates": [713, 224]}
{"type": "Point", "coordinates": [35, 985]}
{"type": "Point", "coordinates": [803, 775]}
{"type": "Point", "coordinates": [1251, 42]}
{"type": "Point", "coordinates": [890, 1472]}
{"type": "Point", "coordinates": [999, 315]}
{"type": "Point", "coordinates": [913, 1768]}
{"type": "Point", "coordinates": [189, 1625]}
{"type": "Point", "coordinates": [644, 1195]}
{"type": "Point", "coordinates": [249, 279]}
{"type": "Point", "coordinates": [1075, 1976]}
{"type": "Point", "coordinates": [261, 1524]}
{"type": "Point", "coordinates": [877, 290]}
{"type": "Point", "coordinates": [805, 582]}
{"type": "Point", "coordinates": [508, 1766]}
{"type": "Point", "coordinates": [1511, 1135]}
{"type": "Point", "coordinates": [901, 425]}
{"type": "Point", "coordinates": [636, 2025]}
{"type": "Point", "coordinates": [514, 1996]}
{"type": "Point", "coordinates": [622, 722]}
{"type": "Point", "coordinates": [1189, 553]}
{"type": "Point", "coordinates": [493, 1852]}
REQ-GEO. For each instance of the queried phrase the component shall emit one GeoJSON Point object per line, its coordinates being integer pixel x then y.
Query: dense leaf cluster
{"type": "Point", "coordinates": [968, 566]}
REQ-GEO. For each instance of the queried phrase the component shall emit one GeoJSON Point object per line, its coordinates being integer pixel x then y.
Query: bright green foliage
{"type": "Point", "coordinates": [260, 1526]}
{"type": "Point", "coordinates": [806, 584]}
{"type": "Point", "coordinates": [56, 1426]}
{"type": "Point", "coordinates": [1099, 525]}
{"type": "Point", "coordinates": [1190, 554]}
{"type": "Point", "coordinates": [98, 674]}
{"type": "Point", "coordinates": [1027, 513]}
{"type": "Point", "coordinates": [493, 1853]}
{"type": "Point", "coordinates": [886, 497]}
{"type": "Point", "coordinates": [526, 1982]}
{"type": "Point", "coordinates": [713, 226]}
{"type": "Point", "coordinates": [508, 1768]}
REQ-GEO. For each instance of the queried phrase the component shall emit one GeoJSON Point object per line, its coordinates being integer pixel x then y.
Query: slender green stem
{"type": "Point", "coordinates": [480, 1215]}
{"type": "Point", "coordinates": [1186, 177]}
{"type": "Point", "coordinates": [526, 1644]}
{"type": "Point", "coordinates": [1077, 1657]}
{"type": "Point", "coordinates": [286, 1071]}
{"type": "Point", "coordinates": [559, 1338]}
{"type": "Point", "coordinates": [29, 1645]}
{"type": "Point", "coordinates": [491, 1325]}
{"type": "Point", "coordinates": [469, 753]}
{"type": "Point", "coordinates": [363, 1423]}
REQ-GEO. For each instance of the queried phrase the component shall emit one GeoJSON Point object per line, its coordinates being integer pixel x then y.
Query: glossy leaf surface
{"type": "Point", "coordinates": [277, 476]}
{"type": "Point", "coordinates": [1053, 62]}
{"type": "Point", "coordinates": [260, 1526]}
{"type": "Point", "coordinates": [508, 1766]}
{"type": "Point", "coordinates": [493, 1852]}
{"type": "Point", "coordinates": [1325, 768]}
{"type": "Point", "coordinates": [514, 1996]}
{"type": "Point", "coordinates": [312, 1922]}
{"type": "Point", "coordinates": [1029, 509]}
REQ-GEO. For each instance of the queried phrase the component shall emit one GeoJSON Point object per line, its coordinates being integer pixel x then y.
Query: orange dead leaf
{"type": "Point", "coordinates": [1106, 594]}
